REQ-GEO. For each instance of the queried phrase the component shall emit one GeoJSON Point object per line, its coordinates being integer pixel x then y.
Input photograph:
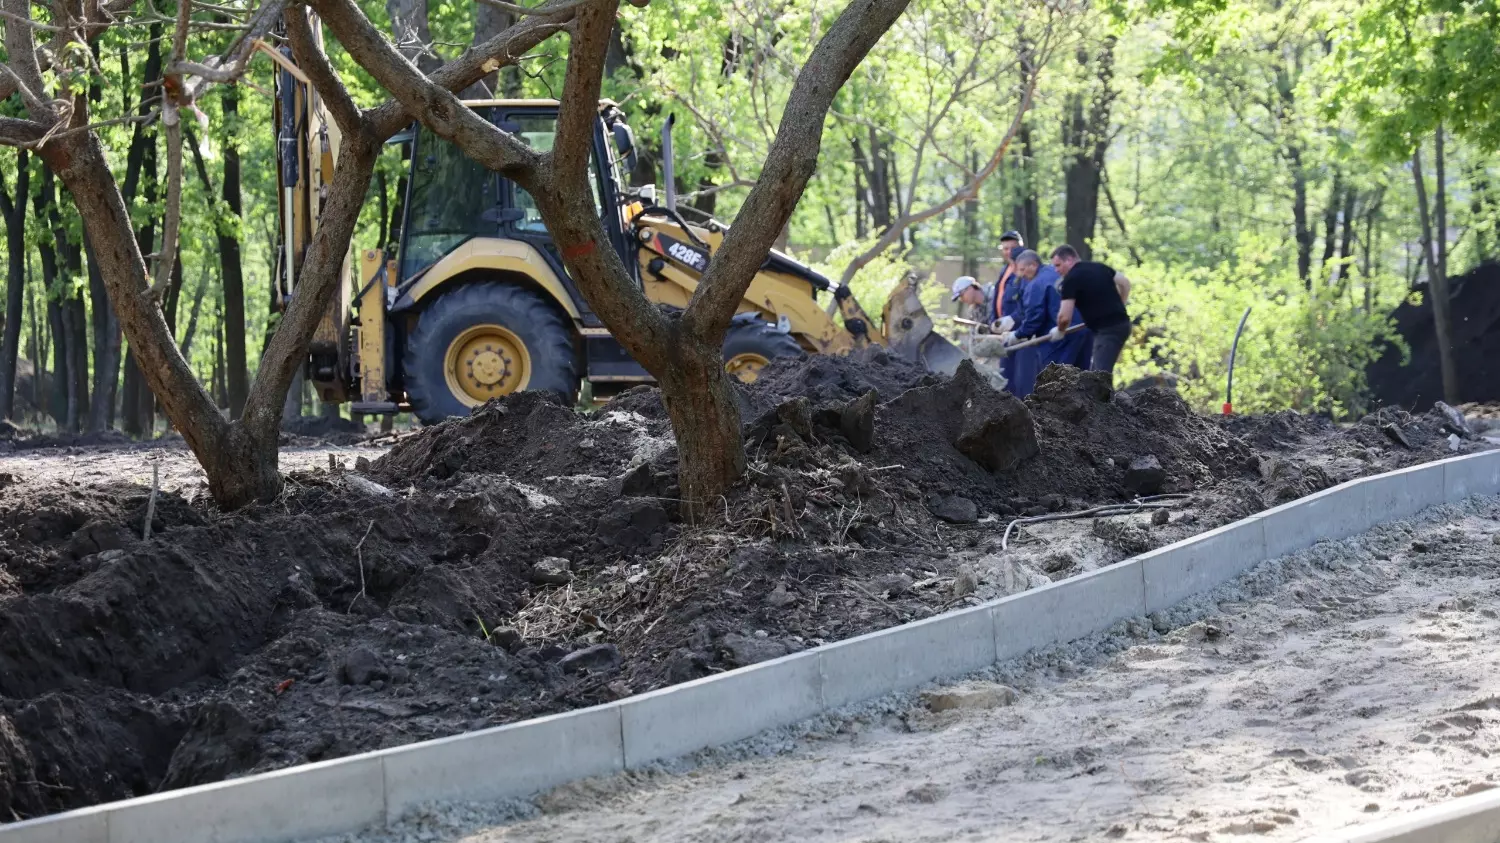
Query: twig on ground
{"type": "Point", "coordinates": [151, 501]}
{"type": "Point", "coordinates": [359, 553]}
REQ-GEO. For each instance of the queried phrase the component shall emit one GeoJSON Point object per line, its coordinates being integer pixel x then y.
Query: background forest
{"type": "Point", "coordinates": [1317, 161]}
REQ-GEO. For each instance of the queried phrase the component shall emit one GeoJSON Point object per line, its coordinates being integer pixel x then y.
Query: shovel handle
{"type": "Point", "coordinates": [1041, 339]}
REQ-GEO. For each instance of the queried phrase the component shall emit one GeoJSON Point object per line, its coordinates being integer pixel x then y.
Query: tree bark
{"type": "Point", "coordinates": [1437, 282]}
{"type": "Point", "coordinates": [192, 326]}
{"type": "Point", "coordinates": [15, 291]}
{"type": "Point", "coordinates": [232, 272]}
{"type": "Point", "coordinates": [1086, 138]}
{"type": "Point", "coordinates": [1027, 210]}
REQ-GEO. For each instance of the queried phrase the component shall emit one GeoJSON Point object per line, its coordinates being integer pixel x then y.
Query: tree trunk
{"type": "Point", "coordinates": [970, 216]}
{"type": "Point", "coordinates": [192, 326]}
{"type": "Point", "coordinates": [706, 420]}
{"type": "Point", "coordinates": [413, 36]}
{"type": "Point", "coordinates": [1440, 210]}
{"type": "Point", "coordinates": [1027, 208]}
{"type": "Point", "coordinates": [237, 373]}
{"type": "Point", "coordinates": [1442, 305]}
{"type": "Point", "coordinates": [216, 382]}
{"type": "Point", "coordinates": [505, 83]}
{"type": "Point", "coordinates": [106, 348]}
{"type": "Point", "coordinates": [15, 290]}
{"type": "Point", "coordinates": [1331, 218]}
{"type": "Point", "coordinates": [1086, 138]}
{"type": "Point", "coordinates": [1303, 229]}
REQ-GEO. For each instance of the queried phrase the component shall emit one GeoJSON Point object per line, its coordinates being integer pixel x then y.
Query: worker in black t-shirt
{"type": "Point", "coordinates": [1098, 293]}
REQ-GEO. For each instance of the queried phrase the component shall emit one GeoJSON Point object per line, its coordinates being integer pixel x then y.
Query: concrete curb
{"type": "Point", "coordinates": [1468, 819]}
{"type": "Point", "coordinates": [522, 759]}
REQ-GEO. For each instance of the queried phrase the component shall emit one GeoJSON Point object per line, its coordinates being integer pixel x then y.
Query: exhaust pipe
{"type": "Point", "coordinates": [668, 171]}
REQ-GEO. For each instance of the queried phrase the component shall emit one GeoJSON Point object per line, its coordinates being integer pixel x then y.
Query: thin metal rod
{"type": "Point", "coordinates": [1234, 351]}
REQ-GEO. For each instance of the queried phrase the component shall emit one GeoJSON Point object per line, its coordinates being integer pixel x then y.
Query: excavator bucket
{"type": "Point", "coordinates": [909, 331]}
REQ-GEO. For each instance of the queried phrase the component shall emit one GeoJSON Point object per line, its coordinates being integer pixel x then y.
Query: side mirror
{"type": "Point", "coordinates": [625, 142]}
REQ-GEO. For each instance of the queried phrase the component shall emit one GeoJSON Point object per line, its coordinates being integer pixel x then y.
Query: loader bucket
{"type": "Point", "coordinates": [909, 331]}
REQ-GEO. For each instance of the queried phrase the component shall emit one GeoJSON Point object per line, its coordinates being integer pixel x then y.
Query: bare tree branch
{"type": "Point", "coordinates": [433, 104]}
{"type": "Point", "coordinates": [176, 95]}
{"type": "Point", "coordinates": [893, 233]}
{"type": "Point", "coordinates": [789, 165]}
{"type": "Point", "coordinates": [550, 10]}
{"type": "Point", "coordinates": [325, 80]}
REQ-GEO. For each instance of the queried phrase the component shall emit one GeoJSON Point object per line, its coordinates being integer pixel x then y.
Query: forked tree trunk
{"type": "Point", "coordinates": [706, 421]}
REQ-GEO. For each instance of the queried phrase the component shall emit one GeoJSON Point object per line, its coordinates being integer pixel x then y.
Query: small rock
{"type": "Point", "coordinates": [1497, 539]}
{"type": "Point", "coordinates": [797, 414]}
{"type": "Point", "coordinates": [631, 522]}
{"type": "Point", "coordinates": [368, 487]}
{"type": "Point", "coordinates": [362, 464]}
{"type": "Point", "coordinates": [1160, 517]}
{"type": "Point", "coordinates": [1371, 808]}
{"type": "Point", "coordinates": [780, 598]}
{"type": "Point", "coordinates": [400, 675]}
{"type": "Point", "coordinates": [1454, 443]}
{"type": "Point", "coordinates": [552, 570]}
{"type": "Point", "coordinates": [1116, 831]}
{"type": "Point", "coordinates": [640, 482]}
{"type": "Point", "coordinates": [1397, 435]}
{"type": "Point", "coordinates": [893, 585]}
{"type": "Point", "coordinates": [965, 582]}
{"type": "Point", "coordinates": [973, 697]}
{"type": "Point", "coordinates": [586, 444]}
{"type": "Point", "coordinates": [378, 685]}
{"type": "Point", "coordinates": [1455, 420]}
{"type": "Point", "coordinates": [361, 667]}
{"type": "Point", "coordinates": [474, 511]}
{"type": "Point", "coordinates": [857, 421]}
{"type": "Point", "coordinates": [619, 690]}
{"type": "Point", "coordinates": [747, 649]}
{"type": "Point", "coordinates": [1420, 547]}
{"type": "Point", "coordinates": [1145, 475]}
{"type": "Point", "coordinates": [926, 794]}
{"type": "Point", "coordinates": [507, 637]}
{"type": "Point", "coordinates": [955, 510]}
{"type": "Point", "coordinates": [599, 657]}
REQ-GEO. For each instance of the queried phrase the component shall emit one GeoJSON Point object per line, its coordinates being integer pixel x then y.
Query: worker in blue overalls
{"type": "Point", "coordinates": [1041, 299]}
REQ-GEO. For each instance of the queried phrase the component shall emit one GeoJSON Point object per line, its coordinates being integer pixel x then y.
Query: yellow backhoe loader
{"type": "Point", "coordinates": [474, 302]}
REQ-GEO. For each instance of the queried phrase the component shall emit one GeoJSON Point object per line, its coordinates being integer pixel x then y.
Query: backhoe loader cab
{"type": "Point", "coordinates": [475, 302]}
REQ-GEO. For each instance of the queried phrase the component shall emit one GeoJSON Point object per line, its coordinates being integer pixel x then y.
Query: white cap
{"type": "Point", "coordinates": [963, 282]}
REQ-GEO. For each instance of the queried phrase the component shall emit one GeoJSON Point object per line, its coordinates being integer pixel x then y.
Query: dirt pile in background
{"type": "Point", "coordinates": [1476, 347]}
{"type": "Point", "coordinates": [530, 559]}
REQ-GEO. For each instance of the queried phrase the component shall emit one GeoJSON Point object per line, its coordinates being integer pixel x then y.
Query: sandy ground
{"type": "Point", "coordinates": [178, 470]}
{"type": "Point", "coordinates": [1352, 681]}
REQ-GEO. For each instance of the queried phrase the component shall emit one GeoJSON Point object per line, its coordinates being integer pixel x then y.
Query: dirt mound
{"type": "Point", "coordinates": [529, 559]}
{"type": "Point", "coordinates": [823, 378]}
{"type": "Point", "coordinates": [1476, 347]}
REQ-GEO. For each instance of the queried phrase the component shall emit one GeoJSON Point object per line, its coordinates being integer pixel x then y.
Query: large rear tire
{"type": "Point", "coordinates": [750, 345]}
{"type": "Point", "coordinates": [482, 341]}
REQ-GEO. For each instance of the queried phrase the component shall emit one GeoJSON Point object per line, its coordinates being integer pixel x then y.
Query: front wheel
{"type": "Point", "coordinates": [483, 341]}
{"type": "Point", "coordinates": [750, 345]}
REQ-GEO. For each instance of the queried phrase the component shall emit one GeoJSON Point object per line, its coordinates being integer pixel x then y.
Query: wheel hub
{"type": "Point", "coordinates": [485, 362]}
{"type": "Point", "coordinates": [745, 367]}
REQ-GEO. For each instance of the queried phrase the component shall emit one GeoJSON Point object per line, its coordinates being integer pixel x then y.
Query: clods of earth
{"type": "Point", "coordinates": [531, 559]}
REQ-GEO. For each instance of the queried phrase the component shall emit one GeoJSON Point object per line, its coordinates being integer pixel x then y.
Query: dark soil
{"type": "Point", "coordinates": [1476, 347]}
{"type": "Point", "coordinates": [529, 559]}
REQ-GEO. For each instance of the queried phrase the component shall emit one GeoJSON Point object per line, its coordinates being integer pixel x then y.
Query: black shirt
{"type": "Point", "coordinates": [1091, 286]}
